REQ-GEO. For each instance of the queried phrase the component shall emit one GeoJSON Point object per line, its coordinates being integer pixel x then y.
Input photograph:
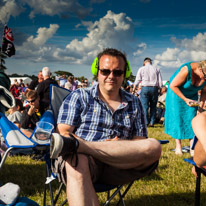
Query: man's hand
{"type": "Point", "coordinates": [31, 110]}
{"type": "Point", "coordinates": [113, 139]}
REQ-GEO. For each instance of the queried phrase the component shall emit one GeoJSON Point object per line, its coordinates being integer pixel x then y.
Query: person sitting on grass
{"type": "Point", "coordinates": [110, 144]}
{"type": "Point", "coordinates": [199, 128]}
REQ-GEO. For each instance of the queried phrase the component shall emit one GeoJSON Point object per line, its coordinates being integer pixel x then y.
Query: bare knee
{"type": "Point", "coordinates": [153, 149]}
{"type": "Point", "coordinates": [80, 171]}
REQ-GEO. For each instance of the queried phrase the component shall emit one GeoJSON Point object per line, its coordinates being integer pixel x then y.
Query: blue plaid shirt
{"type": "Point", "coordinates": [95, 121]}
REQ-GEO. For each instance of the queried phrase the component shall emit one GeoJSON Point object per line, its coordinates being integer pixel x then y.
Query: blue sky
{"type": "Point", "coordinates": [68, 34]}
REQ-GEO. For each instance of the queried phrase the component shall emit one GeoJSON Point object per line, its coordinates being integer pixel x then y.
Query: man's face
{"type": "Point", "coordinates": [110, 81]}
{"type": "Point", "coordinates": [34, 102]}
{"type": "Point", "coordinates": [40, 77]}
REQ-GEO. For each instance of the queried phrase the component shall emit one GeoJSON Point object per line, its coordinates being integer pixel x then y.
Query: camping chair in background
{"type": "Point", "coordinates": [16, 140]}
{"type": "Point", "coordinates": [199, 171]}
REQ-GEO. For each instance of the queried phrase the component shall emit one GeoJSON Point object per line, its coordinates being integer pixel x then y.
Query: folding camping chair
{"type": "Point", "coordinates": [16, 140]}
{"type": "Point", "coordinates": [57, 95]}
{"type": "Point", "coordinates": [199, 171]}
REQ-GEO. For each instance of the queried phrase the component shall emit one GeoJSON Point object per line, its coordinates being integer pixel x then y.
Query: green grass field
{"type": "Point", "coordinates": [171, 185]}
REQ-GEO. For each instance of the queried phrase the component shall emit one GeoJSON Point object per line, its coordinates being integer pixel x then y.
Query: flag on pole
{"type": "Point", "coordinates": [7, 43]}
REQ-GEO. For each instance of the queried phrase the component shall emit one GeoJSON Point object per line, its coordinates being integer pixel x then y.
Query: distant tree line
{"type": "Point", "coordinates": [58, 73]}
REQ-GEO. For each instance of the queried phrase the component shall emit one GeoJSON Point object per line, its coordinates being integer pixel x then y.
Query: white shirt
{"type": "Point", "coordinates": [149, 76]}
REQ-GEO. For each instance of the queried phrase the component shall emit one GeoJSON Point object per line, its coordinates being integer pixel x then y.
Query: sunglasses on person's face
{"type": "Point", "coordinates": [33, 100]}
{"type": "Point", "coordinates": [204, 74]}
{"type": "Point", "coordinates": [116, 72]}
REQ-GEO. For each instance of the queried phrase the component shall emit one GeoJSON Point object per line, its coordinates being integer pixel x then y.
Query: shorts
{"type": "Point", "coordinates": [103, 173]}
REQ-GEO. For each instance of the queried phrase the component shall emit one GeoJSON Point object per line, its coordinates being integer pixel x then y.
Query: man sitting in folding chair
{"type": "Point", "coordinates": [199, 128]}
{"type": "Point", "coordinates": [99, 115]}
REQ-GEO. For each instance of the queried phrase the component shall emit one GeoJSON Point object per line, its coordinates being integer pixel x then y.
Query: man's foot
{"type": "Point", "coordinates": [151, 125]}
{"type": "Point", "coordinates": [60, 145]}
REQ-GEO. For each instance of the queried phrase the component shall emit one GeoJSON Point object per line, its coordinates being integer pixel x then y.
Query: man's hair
{"type": "Point", "coordinates": [147, 59]}
{"type": "Point", "coordinates": [114, 53]}
{"type": "Point", "coordinates": [46, 71]}
{"type": "Point", "coordinates": [31, 94]}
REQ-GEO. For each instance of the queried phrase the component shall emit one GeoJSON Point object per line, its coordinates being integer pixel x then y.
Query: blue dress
{"type": "Point", "coordinates": [178, 115]}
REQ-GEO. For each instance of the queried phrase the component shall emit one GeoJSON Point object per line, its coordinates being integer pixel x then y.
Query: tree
{"type": "Point", "coordinates": [2, 61]}
{"type": "Point", "coordinates": [60, 73]}
{"type": "Point", "coordinates": [131, 77]}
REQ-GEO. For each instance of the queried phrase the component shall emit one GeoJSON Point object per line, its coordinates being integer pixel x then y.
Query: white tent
{"type": "Point", "coordinates": [26, 80]}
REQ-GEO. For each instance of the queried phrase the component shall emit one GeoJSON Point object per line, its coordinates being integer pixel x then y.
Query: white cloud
{"type": "Point", "coordinates": [112, 30]}
{"type": "Point", "coordinates": [63, 8]}
{"type": "Point", "coordinates": [9, 8]}
{"type": "Point", "coordinates": [34, 48]}
{"type": "Point", "coordinates": [56, 7]}
{"type": "Point", "coordinates": [197, 43]}
{"type": "Point", "coordinates": [186, 50]}
{"type": "Point", "coordinates": [140, 50]}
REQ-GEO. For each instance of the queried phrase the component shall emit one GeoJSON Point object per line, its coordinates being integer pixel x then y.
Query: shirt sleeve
{"type": "Point", "coordinates": [15, 117]}
{"type": "Point", "coordinates": [138, 78]}
{"type": "Point", "coordinates": [160, 79]}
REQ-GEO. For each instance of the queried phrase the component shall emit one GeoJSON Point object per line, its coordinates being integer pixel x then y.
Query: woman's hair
{"type": "Point", "coordinates": [31, 94]}
{"type": "Point", "coordinates": [202, 64]}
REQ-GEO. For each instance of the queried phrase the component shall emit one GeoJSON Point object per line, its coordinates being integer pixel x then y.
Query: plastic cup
{"type": "Point", "coordinates": [43, 130]}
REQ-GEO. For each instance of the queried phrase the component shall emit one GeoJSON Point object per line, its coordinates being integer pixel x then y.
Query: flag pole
{"type": "Point", "coordinates": [1, 64]}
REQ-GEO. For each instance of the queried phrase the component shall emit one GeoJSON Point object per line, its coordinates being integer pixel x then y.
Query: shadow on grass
{"type": "Point", "coordinates": [30, 177]}
{"type": "Point", "coordinates": [173, 199]}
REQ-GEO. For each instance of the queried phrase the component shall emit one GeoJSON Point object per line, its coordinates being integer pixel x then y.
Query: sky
{"type": "Point", "coordinates": [68, 34]}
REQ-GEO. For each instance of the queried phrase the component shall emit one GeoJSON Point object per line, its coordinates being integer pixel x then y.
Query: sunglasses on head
{"type": "Point", "coordinates": [33, 100]}
{"type": "Point", "coordinates": [116, 72]}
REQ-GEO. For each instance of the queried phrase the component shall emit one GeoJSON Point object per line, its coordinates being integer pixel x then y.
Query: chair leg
{"type": "Point", "coordinates": [58, 193]}
{"type": "Point", "coordinates": [5, 156]}
{"type": "Point", "coordinates": [112, 196]}
{"type": "Point", "coordinates": [108, 196]}
{"type": "Point", "coordinates": [50, 188]}
{"type": "Point", "coordinates": [121, 200]}
{"type": "Point", "coordinates": [197, 190]}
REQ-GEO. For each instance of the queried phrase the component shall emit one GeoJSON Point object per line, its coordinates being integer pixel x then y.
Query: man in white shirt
{"type": "Point", "coordinates": [151, 80]}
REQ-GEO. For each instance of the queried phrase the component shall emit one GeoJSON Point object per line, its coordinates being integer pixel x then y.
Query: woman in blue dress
{"type": "Point", "coordinates": [181, 94]}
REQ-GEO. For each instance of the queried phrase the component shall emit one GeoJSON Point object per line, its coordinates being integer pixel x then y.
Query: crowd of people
{"type": "Point", "coordinates": [33, 99]}
{"type": "Point", "coordinates": [111, 109]}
